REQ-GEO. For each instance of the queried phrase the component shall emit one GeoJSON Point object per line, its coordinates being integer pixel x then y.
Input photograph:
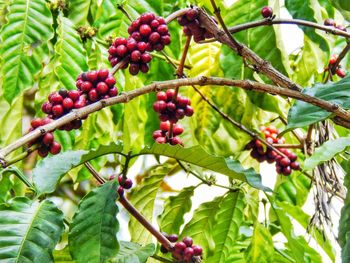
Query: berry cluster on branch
{"type": "Point", "coordinates": [183, 250]}
{"type": "Point", "coordinates": [171, 107]}
{"type": "Point", "coordinates": [192, 27]}
{"type": "Point", "coordinates": [333, 63]}
{"type": "Point", "coordinates": [330, 22]}
{"type": "Point", "coordinates": [146, 34]}
{"type": "Point", "coordinates": [284, 164]}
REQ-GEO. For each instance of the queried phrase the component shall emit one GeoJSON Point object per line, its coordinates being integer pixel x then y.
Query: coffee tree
{"type": "Point", "coordinates": [207, 89]}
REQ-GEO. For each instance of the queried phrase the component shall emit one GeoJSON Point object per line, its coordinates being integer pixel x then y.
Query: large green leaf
{"type": "Point", "coordinates": [326, 152]}
{"type": "Point", "coordinates": [303, 114]}
{"type": "Point", "coordinates": [344, 226]}
{"type": "Point", "coordinates": [24, 44]}
{"type": "Point", "coordinates": [303, 219]}
{"type": "Point", "coordinates": [78, 11]}
{"type": "Point", "coordinates": [228, 220]}
{"type": "Point", "coordinates": [29, 230]}
{"type": "Point", "coordinates": [143, 198]}
{"type": "Point", "coordinates": [261, 249]}
{"type": "Point", "coordinates": [198, 156]}
{"type": "Point", "coordinates": [202, 225]}
{"type": "Point", "coordinates": [133, 253]}
{"type": "Point", "coordinates": [92, 234]}
{"type": "Point", "coordinates": [175, 208]}
{"type": "Point", "coordinates": [70, 54]}
{"type": "Point", "coordinates": [50, 170]}
{"type": "Point", "coordinates": [62, 256]}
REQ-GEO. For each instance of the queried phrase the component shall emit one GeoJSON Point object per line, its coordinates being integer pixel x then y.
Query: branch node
{"type": "Point", "coordinates": [103, 103]}
{"type": "Point", "coordinates": [203, 80]}
{"type": "Point", "coordinates": [335, 106]}
{"type": "Point", "coordinates": [42, 131]}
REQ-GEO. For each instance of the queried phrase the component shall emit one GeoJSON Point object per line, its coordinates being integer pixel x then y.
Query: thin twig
{"type": "Point", "coordinates": [157, 86]}
{"type": "Point", "coordinates": [176, 14]}
{"type": "Point", "coordinates": [94, 173]}
{"type": "Point", "coordinates": [141, 219]}
{"type": "Point", "coordinates": [224, 27]}
{"type": "Point", "coordinates": [169, 60]}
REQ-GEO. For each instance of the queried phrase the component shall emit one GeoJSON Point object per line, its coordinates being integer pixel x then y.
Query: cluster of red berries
{"type": "Point", "coordinates": [97, 85]}
{"type": "Point", "coordinates": [123, 183]}
{"type": "Point", "coordinates": [46, 142]}
{"type": "Point", "coordinates": [331, 22]}
{"type": "Point", "coordinates": [147, 33]}
{"type": "Point", "coordinates": [284, 165]}
{"type": "Point", "coordinates": [339, 70]}
{"type": "Point", "coordinates": [183, 250]}
{"type": "Point", "coordinates": [267, 12]}
{"type": "Point", "coordinates": [191, 26]}
{"type": "Point", "coordinates": [171, 108]}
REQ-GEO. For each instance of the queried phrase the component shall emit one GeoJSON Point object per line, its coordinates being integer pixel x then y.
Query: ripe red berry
{"type": "Point", "coordinates": [157, 133]}
{"type": "Point", "coordinates": [93, 95]}
{"type": "Point", "coordinates": [86, 86]}
{"type": "Point", "coordinates": [145, 30]}
{"type": "Point", "coordinates": [119, 41]}
{"type": "Point", "coordinates": [43, 151]}
{"type": "Point", "coordinates": [142, 46]}
{"type": "Point", "coordinates": [165, 40]}
{"type": "Point", "coordinates": [161, 95]}
{"type": "Point", "coordinates": [197, 250]}
{"type": "Point", "coordinates": [92, 76]}
{"type": "Point", "coordinates": [180, 246]}
{"type": "Point", "coordinates": [127, 184]}
{"type": "Point", "coordinates": [286, 171]}
{"type": "Point", "coordinates": [131, 44]}
{"type": "Point", "coordinates": [158, 46]}
{"type": "Point", "coordinates": [172, 238]}
{"type": "Point", "coordinates": [37, 122]}
{"type": "Point", "coordinates": [329, 22]}
{"type": "Point", "coordinates": [103, 74]}
{"type": "Point", "coordinates": [188, 241]}
{"type": "Point", "coordinates": [188, 253]}
{"type": "Point", "coordinates": [176, 140]}
{"type": "Point", "coordinates": [154, 24]}
{"type": "Point", "coordinates": [135, 56]}
{"type": "Point", "coordinates": [192, 14]}
{"type": "Point", "coordinates": [170, 93]}
{"type": "Point", "coordinates": [110, 81]}
{"type": "Point", "coordinates": [68, 104]}
{"type": "Point", "coordinates": [177, 129]}
{"type": "Point", "coordinates": [333, 59]}
{"type": "Point", "coordinates": [180, 113]}
{"type": "Point", "coordinates": [154, 38]}
{"type": "Point", "coordinates": [266, 12]}
{"type": "Point", "coordinates": [73, 94]}
{"type": "Point", "coordinates": [120, 51]}
{"type": "Point", "coordinates": [159, 106]}
{"type": "Point", "coordinates": [163, 29]}
{"type": "Point", "coordinates": [63, 92]}
{"type": "Point", "coordinates": [144, 68]}
{"type": "Point", "coordinates": [164, 125]}
{"type": "Point", "coordinates": [113, 92]}
{"type": "Point", "coordinates": [284, 162]}
{"type": "Point", "coordinates": [182, 20]}
{"type": "Point", "coordinates": [341, 27]}
{"type": "Point", "coordinates": [146, 57]}
{"type": "Point", "coordinates": [80, 103]}
{"type": "Point", "coordinates": [55, 98]}
{"type": "Point", "coordinates": [161, 140]}
{"type": "Point", "coordinates": [189, 111]}
{"type": "Point", "coordinates": [55, 148]}
{"type": "Point", "coordinates": [48, 138]}
{"type": "Point", "coordinates": [57, 110]}
{"type": "Point", "coordinates": [171, 106]}
{"type": "Point", "coordinates": [147, 18]}
{"type": "Point", "coordinates": [102, 88]}
{"type": "Point", "coordinates": [134, 68]}
{"type": "Point", "coordinates": [46, 107]}
{"type": "Point", "coordinates": [295, 165]}
{"type": "Point", "coordinates": [340, 72]}
{"type": "Point", "coordinates": [183, 101]}
{"type": "Point", "coordinates": [120, 191]}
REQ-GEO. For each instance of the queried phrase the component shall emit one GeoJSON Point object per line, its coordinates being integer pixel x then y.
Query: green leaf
{"type": "Point", "coordinates": [302, 9]}
{"type": "Point", "coordinates": [24, 45]}
{"type": "Point", "coordinates": [29, 230]}
{"type": "Point", "coordinates": [133, 253]}
{"type": "Point", "coordinates": [78, 11]}
{"type": "Point", "coordinates": [70, 54]}
{"type": "Point", "coordinates": [175, 208]}
{"type": "Point", "coordinates": [198, 156]}
{"type": "Point", "coordinates": [303, 219]}
{"type": "Point", "coordinates": [62, 256]}
{"type": "Point", "coordinates": [326, 152]}
{"type": "Point", "coordinates": [92, 234]}
{"type": "Point", "coordinates": [229, 218]}
{"type": "Point", "coordinates": [202, 225]}
{"type": "Point", "coordinates": [344, 226]}
{"type": "Point", "coordinates": [49, 171]}
{"type": "Point", "coordinates": [143, 198]}
{"type": "Point", "coordinates": [303, 114]}
{"type": "Point", "coordinates": [261, 249]}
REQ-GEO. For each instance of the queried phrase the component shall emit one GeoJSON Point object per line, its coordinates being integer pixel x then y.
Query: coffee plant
{"type": "Point", "coordinates": [174, 131]}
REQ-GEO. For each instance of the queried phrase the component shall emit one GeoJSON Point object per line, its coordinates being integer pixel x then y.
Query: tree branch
{"type": "Point", "coordinates": [157, 86]}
